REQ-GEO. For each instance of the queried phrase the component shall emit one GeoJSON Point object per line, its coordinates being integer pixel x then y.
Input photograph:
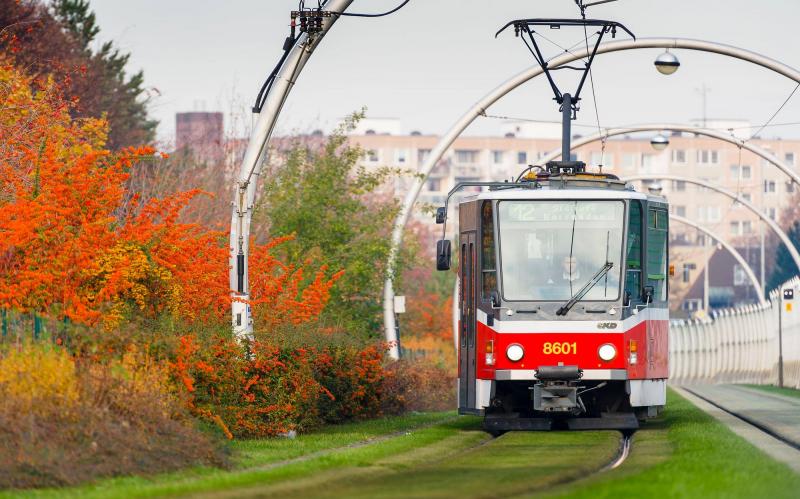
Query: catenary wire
{"type": "Point", "coordinates": [776, 112]}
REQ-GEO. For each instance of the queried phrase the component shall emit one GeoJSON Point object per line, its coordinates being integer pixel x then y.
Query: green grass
{"type": "Point", "coordinates": [683, 453]}
{"type": "Point", "coordinates": [687, 453]}
{"type": "Point", "coordinates": [248, 456]}
{"type": "Point", "coordinates": [516, 463]}
{"type": "Point", "coordinates": [789, 392]}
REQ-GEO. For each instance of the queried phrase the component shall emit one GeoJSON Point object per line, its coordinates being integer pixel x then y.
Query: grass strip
{"type": "Point", "coordinates": [247, 454]}
{"type": "Point", "coordinates": [688, 453]}
{"type": "Point", "coordinates": [788, 392]}
{"type": "Point", "coordinates": [516, 463]}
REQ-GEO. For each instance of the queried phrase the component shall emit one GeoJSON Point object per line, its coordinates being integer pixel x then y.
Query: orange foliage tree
{"type": "Point", "coordinates": [74, 243]}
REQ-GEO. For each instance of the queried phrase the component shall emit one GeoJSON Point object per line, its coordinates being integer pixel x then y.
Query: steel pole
{"type": "Point", "coordinates": [480, 107]}
{"type": "Point", "coordinates": [254, 157]}
{"type": "Point", "coordinates": [762, 263]}
{"type": "Point", "coordinates": [566, 124]}
{"type": "Point", "coordinates": [780, 337]}
{"type": "Point", "coordinates": [706, 271]}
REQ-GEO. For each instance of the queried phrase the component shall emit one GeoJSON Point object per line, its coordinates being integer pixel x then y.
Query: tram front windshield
{"type": "Point", "coordinates": [550, 249]}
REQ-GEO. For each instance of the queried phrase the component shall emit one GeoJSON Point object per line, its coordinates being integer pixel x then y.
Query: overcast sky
{"type": "Point", "coordinates": [433, 59]}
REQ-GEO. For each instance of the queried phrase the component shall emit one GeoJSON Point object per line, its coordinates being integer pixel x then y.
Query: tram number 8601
{"type": "Point", "coordinates": [565, 348]}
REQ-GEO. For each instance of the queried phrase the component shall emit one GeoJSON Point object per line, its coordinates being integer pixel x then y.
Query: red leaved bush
{"type": "Point", "coordinates": [271, 390]}
{"type": "Point", "coordinates": [77, 244]}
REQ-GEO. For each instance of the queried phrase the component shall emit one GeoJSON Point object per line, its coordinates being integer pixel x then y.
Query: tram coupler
{"type": "Point", "coordinates": [557, 390]}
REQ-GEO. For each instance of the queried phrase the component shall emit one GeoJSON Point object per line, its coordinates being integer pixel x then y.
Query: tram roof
{"type": "Point", "coordinates": [567, 193]}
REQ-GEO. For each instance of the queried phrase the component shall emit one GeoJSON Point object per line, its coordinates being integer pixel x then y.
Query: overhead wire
{"type": "Point", "coordinates": [594, 101]}
{"type": "Point", "coordinates": [775, 113]}
{"type": "Point", "coordinates": [382, 14]}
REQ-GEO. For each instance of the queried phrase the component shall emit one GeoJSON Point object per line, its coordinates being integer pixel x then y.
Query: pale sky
{"type": "Point", "coordinates": [429, 62]}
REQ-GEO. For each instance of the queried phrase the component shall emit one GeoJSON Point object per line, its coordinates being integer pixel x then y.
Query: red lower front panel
{"type": "Point", "coordinates": [647, 338]}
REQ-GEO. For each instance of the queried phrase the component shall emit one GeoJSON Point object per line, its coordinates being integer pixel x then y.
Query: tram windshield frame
{"type": "Point", "coordinates": [549, 248]}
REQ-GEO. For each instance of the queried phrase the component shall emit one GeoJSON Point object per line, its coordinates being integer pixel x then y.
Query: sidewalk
{"type": "Point", "coordinates": [777, 414]}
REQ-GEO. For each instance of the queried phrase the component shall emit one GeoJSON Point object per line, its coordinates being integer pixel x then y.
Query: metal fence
{"type": "Point", "coordinates": [740, 345]}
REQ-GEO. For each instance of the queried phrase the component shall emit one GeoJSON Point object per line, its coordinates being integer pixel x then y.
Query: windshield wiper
{"type": "Point", "coordinates": [585, 289]}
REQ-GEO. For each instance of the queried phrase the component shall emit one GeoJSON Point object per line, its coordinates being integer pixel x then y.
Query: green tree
{"type": "Point", "coordinates": [340, 219]}
{"type": "Point", "coordinates": [784, 267]}
{"type": "Point", "coordinates": [110, 90]}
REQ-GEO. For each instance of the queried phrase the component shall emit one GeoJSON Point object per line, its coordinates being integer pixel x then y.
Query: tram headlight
{"type": "Point", "coordinates": [607, 352]}
{"type": "Point", "coordinates": [515, 352]}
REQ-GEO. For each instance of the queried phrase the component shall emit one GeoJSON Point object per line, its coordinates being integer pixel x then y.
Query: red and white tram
{"type": "Point", "coordinates": [563, 315]}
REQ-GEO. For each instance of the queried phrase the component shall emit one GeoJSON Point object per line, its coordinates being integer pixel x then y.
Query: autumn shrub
{"type": "Point", "coordinates": [352, 378]}
{"type": "Point", "coordinates": [417, 385]}
{"type": "Point", "coordinates": [65, 421]}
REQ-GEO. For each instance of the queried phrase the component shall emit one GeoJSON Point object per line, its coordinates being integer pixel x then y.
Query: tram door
{"type": "Point", "coordinates": [467, 362]}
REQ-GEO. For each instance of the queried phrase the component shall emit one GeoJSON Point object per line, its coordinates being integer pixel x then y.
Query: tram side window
{"type": "Point", "coordinates": [633, 274]}
{"type": "Point", "coordinates": [463, 289]}
{"type": "Point", "coordinates": [657, 252]}
{"type": "Point", "coordinates": [488, 260]}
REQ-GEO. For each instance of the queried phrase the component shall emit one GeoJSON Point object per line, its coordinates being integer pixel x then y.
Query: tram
{"type": "Point", "coordinates": [563, 314]}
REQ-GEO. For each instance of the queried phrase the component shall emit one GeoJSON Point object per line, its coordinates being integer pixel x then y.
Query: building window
{"type": "Point", "coordinates": [464, 156]}
{"type": "Point", "coordinates": [522, 158]}
{"type": "Point", "coordinates": [772, 213]}
{"type": "Point", "coordinates": [688, 267]}
{"type": "Point", "coordinates": [735, 172]}
{"type": "Point", "coordinates": [372, 156]}
{"type": "Point", "coordinates": [678, 185]}
{"type": "Point", "coordinates": [434, 184]}
{"type": "Point", "coordinates": [401, 156]}
{"type": "Point", "coordinates": [629, 160]}
{"type": "Point", "coordinates": [746, 196]}
{"type": "Point", "coordinates": [735, 228]}
{"type": "Point", "coordinates": [747, 227]}
{"type": "Point", "coordinates": [679, 156]}
{"type": "Point", "coordinates": [769, 186]}
{"type": "Point", "coordinates": [790, 186]}
{"type": "Point", "coordinates": [739, 276]}
{"type": "Point", "coordinates": [747, 172]}
{"type": "Point", "coordinates": [692, 305]}
{"type": "Point", "coordinates": [680, 211]}
{"type": "Point", "coordinates": [647, 160]}
{"type": "Point", "coordinates": [789, 158]}
{"type": "Point", "coordinates": [707, 157]}
{"type": "Point", "coordinates": [497, 157]}
{"type": "Point", "coordinates": [709, 213]}
{"type": "Point", "coordinates": [422, 155]}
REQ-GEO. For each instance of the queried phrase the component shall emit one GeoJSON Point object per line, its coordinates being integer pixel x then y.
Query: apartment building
{"type": "Point", "coordinates": [521, 144]}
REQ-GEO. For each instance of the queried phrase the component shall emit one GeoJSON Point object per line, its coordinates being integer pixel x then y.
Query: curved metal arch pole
{"type": "Point", "coordinates": [487, 101]}
{"type": "Point", "coordinates": [257, 150]}
{"type": "Point", "coordinates": [747, 204]}
{"type": "Point", "coordinates": [738, 256]}
{"type": "Point", "coordinates": [612, 132]}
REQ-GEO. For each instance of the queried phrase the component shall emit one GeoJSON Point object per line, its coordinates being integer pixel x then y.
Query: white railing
{"type": "Point", "coordinates": [739, 345]}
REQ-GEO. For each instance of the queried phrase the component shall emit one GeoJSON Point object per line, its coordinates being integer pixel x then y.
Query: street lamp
{"type": "Point", "coordinates": [655, 189]}
{"type": "Point", "coordinates": [667, 63]}
{"type": "Point", "coordinates": [659, 142]}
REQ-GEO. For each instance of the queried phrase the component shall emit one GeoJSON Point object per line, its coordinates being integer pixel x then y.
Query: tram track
{"type": "Point", "coordinates": [625, 445]}
{"type": "Point", "coordinates": [746, 419]}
